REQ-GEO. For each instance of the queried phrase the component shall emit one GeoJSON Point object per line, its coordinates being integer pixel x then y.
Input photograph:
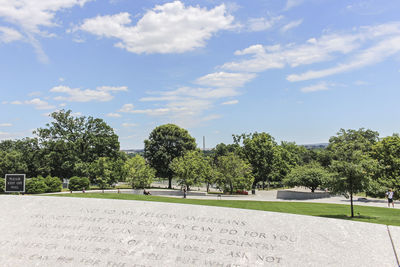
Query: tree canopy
{"type": "Point", "coordinates": [312, 176]}
{"type": "Point", "coordinates": [351, 162]}
{"type": "Point", "coordinates": [165, 143]}
{"type": "Point", "coordinates": [68, 140]}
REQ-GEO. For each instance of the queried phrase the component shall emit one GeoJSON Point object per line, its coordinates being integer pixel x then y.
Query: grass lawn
{"type": "Point", "coordinates": [338, 211]}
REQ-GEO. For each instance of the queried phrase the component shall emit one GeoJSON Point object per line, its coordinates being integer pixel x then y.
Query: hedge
{"type": "Point", "coordinates": [78, 183]}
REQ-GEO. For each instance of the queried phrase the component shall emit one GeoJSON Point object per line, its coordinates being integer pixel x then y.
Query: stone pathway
{"type": "Point", "coordinates": [259, 196]}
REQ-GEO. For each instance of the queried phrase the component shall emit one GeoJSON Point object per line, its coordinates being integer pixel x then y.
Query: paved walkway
{"type": "Point", "coordinates": [259, 196]}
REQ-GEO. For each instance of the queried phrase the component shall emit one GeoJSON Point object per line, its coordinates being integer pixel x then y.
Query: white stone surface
{"type": "Point", "coordinates": [395, 233]}
{"type": "Point", "coordinates": [55, 231]}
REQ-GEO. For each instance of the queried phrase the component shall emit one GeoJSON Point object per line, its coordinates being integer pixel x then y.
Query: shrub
{"type": "Point", "coordinates": [53, 184]}
{"type": "Point", "coordinates": [78, 183]}
{"type": "Point", "coordinates": [35, 185]}
{"type": "Point", "coordinates": [2, 185]}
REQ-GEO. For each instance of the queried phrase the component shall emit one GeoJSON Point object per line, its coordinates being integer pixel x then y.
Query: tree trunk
{"type": "Point", "coordinates": [208, 187]}
{"type": "Point", "coordinates": [351, 201]}
{"type": "Point", "coordinates": [351, 198]}
{"type": "Point", "coordinates": [169, 182]}
{"type": "Point", "coordinates": [312, 190]}
{"type": "Point", "coordinates": [263, 184]}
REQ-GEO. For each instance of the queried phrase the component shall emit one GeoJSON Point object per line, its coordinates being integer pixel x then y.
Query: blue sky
{"type": "Point", "coordinates": [297, 69]}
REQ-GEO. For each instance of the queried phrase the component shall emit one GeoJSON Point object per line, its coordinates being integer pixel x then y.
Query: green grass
{"type": "Point", "coordinates": [338, 211]}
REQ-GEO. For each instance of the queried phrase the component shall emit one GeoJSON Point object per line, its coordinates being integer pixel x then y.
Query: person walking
{"type": "Point", "coordinates": [389, 196]}
{"type": "Point", "coordinates": [184, 192]}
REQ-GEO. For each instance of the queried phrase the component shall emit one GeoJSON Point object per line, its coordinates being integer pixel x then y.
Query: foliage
{"type": "Point", "coordinates": [35, 185]}
{"type": "Point", "coordinates": [260, 151]}
{"type": "Point", "coordinates": [166, 143]}
{"type": "Point", "coordinates": [11, 162]}
{"type": "Point", "coordinates": [69, 140]}
{"type": "Point", "coordinates": [105, 171]}
{"type": "Point", "coordinates": [78, 183]}
{"type": "Point", "coordinates": [191, 169]}
{"type": "Point", "coordinates": [53, 184]}
{"type": "Point", "coordinates": [351, 163]}
{"type": "Point", "coordinates": [235, 173]}
{"type": "Point", "coordinates": [139, 174]}
{"type": "Point", "coordinates": [387, 153]}
{"type": "Point", "coordinates": [2, 185]}
{"type": "Point", "coordinates": [223, 150]}
{"type": "Point", "coordinates": [312, 176]}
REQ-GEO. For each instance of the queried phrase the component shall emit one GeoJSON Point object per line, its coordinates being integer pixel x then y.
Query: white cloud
{"type": "Point", "coordinates": [30, 17]}
{"type": "Point", "coordinates": [100, 94]}
{"type": "Point", "coordinates": [273, 57]}
{"type": "Point", "coordinates": [322, 86]}
{"type": "Point", "coordinates": [293, 3]}
{"type": "Point", "coordinates": [5, 124]}
{"type": "Point", "coordinates": [291, 25]}
{"type": "Point", "coordinates": [189, 92]}
{"type": "Point", "coordinates": [8, 35]}
{"type": "Point", "coordinates": [169, 28]}
{"type": "Point", "coordinates": [232, 102]}
{"type": "Point", "coordinates": [360, 83]}
{"type": "Point", "coordinates": [361, 47]}
{"type": "Point", "coordinates": [16, 102]}
{"type": "Point", "coordinates": [112, 88]}
{"type": "Point", "coordinates": [262, 24]}
{"type": "Point", "coordinates": [35, 94]}
{"type": "Point", "coordinates": [39, 104]}
{"type": "Point", "coordinates": [225, 79]}
{"type": "Point", "coordinates": [4, 102]}
{"type": "Point", "coordinates": [369, 56]}
{"type": "Point", "coordinates": [211, 117]}
{"type": "Point", "coordinates": [126, 124]}
{"type": "Point", "coordinates": [113, 115]}
{"type": "Point", "coordinates": [126, 108]}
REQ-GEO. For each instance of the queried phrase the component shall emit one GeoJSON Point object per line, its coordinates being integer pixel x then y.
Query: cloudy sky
{"type": "Point", "coordinates": [298, 69]}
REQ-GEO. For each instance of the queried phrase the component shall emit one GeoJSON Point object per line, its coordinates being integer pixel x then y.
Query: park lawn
{"type": "Point", "coordinates": [337, 211]}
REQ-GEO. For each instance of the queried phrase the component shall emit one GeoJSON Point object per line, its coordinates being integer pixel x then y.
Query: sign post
{"type": "Point", "coordinates": [15, 183]}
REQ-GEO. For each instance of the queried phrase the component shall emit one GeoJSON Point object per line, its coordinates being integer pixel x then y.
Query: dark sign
{"type": "Point", "coordinates": [15, 183]}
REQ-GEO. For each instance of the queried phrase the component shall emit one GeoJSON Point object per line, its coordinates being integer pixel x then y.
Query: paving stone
{"type": "Point", "coordinates": [56, 231]}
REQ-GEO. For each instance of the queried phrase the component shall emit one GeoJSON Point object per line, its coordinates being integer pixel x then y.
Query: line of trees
{"type": "Point", "coordinates": [354, 161]}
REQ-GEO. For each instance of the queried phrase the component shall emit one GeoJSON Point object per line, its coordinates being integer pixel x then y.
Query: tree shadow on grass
{"type": "Point", "coordinates": [347, 217]}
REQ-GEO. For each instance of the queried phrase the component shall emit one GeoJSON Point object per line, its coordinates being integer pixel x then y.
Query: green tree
{"type": "Point", "coordinates": [31, 155]}
{"type": "Point", "coordinates": [2, 185]}
{"type": "Point", "coordinates": [312, 176]}
{"type": "Point", "coordinates": [12, 162]}
{"type": "Point", "coordinates": [223, 150]}
{"type": "Point", "coordinates": [260, 150]}
{"type": "Point", "coordinates": [351, 162]}
{"type": "Point", "coordinates": [387, 153]}
{"type": "Point", "coordinates": [192, 169]}
{"type": "Point", "coordinates": [235, 173]}
{"type": "Point", "coordinates": [104, 171]}
{"type": "Point", "coordinates": [165, 143]}
{"type": "Point", "coordinates": [69, 140]}
{"type": "Point", "coordinates": [139, 174]}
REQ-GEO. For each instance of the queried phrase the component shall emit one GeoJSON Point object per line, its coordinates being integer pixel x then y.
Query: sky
{"type": "Point", "coordinates": [297, 69]}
